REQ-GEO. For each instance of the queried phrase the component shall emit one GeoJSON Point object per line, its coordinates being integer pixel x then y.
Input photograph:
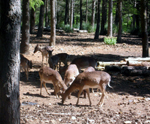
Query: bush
{"type": "Point", "coordinates": [110, 40]}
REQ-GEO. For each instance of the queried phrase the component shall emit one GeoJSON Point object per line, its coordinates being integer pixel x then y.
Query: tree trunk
{"type": "Point", "coordinates": [24, 47]}
{"type": "Point", "coordinates": [81, 15]}
{"type": "Point", "coordinates": [117, 15]}
{"type": "Point", "coordinates": [71, 14]}
{"type": "Point", "coordinates": [41, 19]}
{"type": "Point", "coordinates": [93, 13]}
{"type": "Point", "coordinates": [53, 24]}
{"type": "Point", "coordinates": [46, 13]}
{"type": "Point", "coordinates": [145, 51]}
{"type": "Point", "coordinates": [32, 21]}
{"type": "Point", "coordinates": [10, 22]}
{"type": "Point", "coordinates": [98, 21]}
{"type": "Point", "coordinates": [86, 11]}
{"type": "Point", "coordinates": [104, 17]}
{"type": "Point", "coordinates": [67, 12]}
{"type": "Point", "coordinates": [120, 22]}
{"type": "Point", "coordinates": [110, 18]}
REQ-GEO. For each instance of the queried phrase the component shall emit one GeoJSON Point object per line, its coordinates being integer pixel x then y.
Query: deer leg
{"type": "Point", "coordinates": [41, 88]}
{"type": "Point", "coordinates": [45, 88]}
{"type": "Point", "coordinates": [87, 90]}
{"type": "Point", "coordinates": [80, 91]}
{"type": "Point", "coordinates": [102, 97]}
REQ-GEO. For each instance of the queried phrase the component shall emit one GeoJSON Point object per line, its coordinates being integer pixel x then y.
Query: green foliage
{"type": "Point", "coordinates": [67, 29]}
{"type": "Point", "coordinates": [88, 27]}
{"type": "Point", "coordinates": [110, 40]}
{"type": "Point", "coordinates": [36, 3]}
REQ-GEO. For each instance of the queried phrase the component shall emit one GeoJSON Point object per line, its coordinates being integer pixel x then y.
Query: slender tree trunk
{"type": "Point", "coordinates": [120, 22]}
{"type": "Point", "coordinates": [46, 13]}
{"type": "Point", "coordinates": [41, 19]}
{"type": "Point", "coordinates": [144, 29]}
{"type": "Point", "coordinates": [104, 17]}
{"type": "Point", "coordinates": [117, 13]}
{"type": "Point", "coordinates": [98, 21]}
{"type": "Point", "coordinates": [53, 24]}
{"type": "Point", "coordinates": [10, 22]}
{"type": "Point", "coordinates": [24, 47]}
{"type": "Point", "coordinates": [86, 11]}
{"type": "Point", "coordinates": [93, 13]}
{"type": "Point", "coordinates": [110, 18]}
{"type": "Point", "coordinates": [67, 13]}
{"type": "Point", "coordinates": [81, 15]}
{"type": "Point", "coordinates": [137, 16]}
{"type": "Point", "coordinates": [71, 14]}
{"type": "Point", "coordinates": [32, 21]}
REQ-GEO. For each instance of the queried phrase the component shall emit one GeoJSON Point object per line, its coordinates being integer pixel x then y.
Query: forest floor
{"type": "Point", "coordinates": [128, 102]}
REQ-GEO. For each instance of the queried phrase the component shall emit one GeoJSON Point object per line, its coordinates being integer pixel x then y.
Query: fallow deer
{"type": "Point", "coordinates": [44, 51]}
{"type": "Point", "coordinates": [86, 80]}
{"type": "Point", "coordinates": [25, 65]}
{"type": "Point", "coordinates": [48, 75]}
{"type": "Point", "coordinates": [84, 62]}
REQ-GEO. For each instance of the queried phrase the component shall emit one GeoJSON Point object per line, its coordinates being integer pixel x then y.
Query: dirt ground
{"type": "Point", "coordinates": [128, 102]}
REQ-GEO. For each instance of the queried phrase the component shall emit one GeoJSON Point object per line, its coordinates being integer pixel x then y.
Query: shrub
{"type": "Point", "coordinates": [110, 40]}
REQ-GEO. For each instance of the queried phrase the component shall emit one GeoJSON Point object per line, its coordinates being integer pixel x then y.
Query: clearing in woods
{"type": "Point", "coordinates": [127, 102]}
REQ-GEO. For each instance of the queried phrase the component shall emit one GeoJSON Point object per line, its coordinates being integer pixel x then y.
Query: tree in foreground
{"type": "Point", "coordinates": [10, 21]}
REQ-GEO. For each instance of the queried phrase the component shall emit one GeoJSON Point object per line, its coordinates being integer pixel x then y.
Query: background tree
{"type": "Point", "coordinates": [53, 24]}
{"type": "Point", "coordinates": [46, 13]}
{"type": "Point", "coordinates": [81, 15]}
{"type": "Point", "coordinates": [32, 21]}
{"type": "Point", "coordinates": [110, 18]}
{"type": "Point", "coordinates": [71, 14]}
{"type": "Point", "coordinates": [67, 12]}
{"type": "Point", "coordinates": [120, 21]}
{"type": "Point", "coordinates": [104, 17]}
{"type": "Point", "coordinates": [10, 22]}
{"type": "Point", "coordinates": [144, 28]}
{"type": "Point", "coordinates": [98, 21]}
{"type": "Point", "coordinates": [41, 19]}
{"type": "Point", "coordinates": [93, 13]}
{"type": "Point", "coordinates": [86, 11]}
{"type": "Point", "coordinates": [24, 47]}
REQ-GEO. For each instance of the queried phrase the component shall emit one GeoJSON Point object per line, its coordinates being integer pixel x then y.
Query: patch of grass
{"type": "Point", "coordinates": [110, 40]}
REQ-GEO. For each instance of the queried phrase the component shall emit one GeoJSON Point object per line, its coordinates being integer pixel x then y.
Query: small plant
{"type": "Point", "coordinates": [110, 40]}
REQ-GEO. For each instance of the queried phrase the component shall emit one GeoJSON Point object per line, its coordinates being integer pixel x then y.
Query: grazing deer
{"type": "Point", "coordinates": [70, 74]}
{"type": "Point", "coordinates": [84, 62]}
{"type": "Point", "coordinates": [25, 65]}
{"type": "Point", "coordinates": [48, 75]}
{"type": "Point", "coordinates": [86, 80]}
{"type": "Point", "coordinates": [44, 51]}
{"type": "Point", "coordinates": [55, 61]}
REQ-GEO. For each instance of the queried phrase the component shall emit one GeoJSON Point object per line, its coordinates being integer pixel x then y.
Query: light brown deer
{"type": "Point", "coordinates": [86, 80]}
{"type": "Point", "coordinates": [70, 74]}
{"type": "Point", "coordinates": [25, 65]}
{"type": "Point", "coordinates": [84, 62]}
{"type": "Point", "coordinates": [48, 75]}
{"type": "Point", "coordinates": [55, 61]}
{"type": "Point", "coordinates": [44, 51]}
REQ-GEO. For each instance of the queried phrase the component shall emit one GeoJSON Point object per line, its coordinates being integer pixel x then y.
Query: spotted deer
{"type": "Point", "coordinates": [86, 80]}
{"type": "Point", "coordinates": [48, 75]}
{"type": "Point", "coordinates": [44, 51]}
{"type": "Point", "coordinates": [25, 65]}
{"type": "Point", "coordinates": [84, 62]}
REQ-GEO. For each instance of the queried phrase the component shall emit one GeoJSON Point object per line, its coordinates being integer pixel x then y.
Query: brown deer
{"type": "Point", "coordinates": [70, 74]}
{"type": "Point", "coordinates": [44, 51]}
{"type": "Point", "coordinates": [55, 61]}
{"type": "Point", "coordinates": [48, 75]}
{"type": "Point", "coordinates": [86, 80]}
{"type": "Point", "coordinates": [84, 62]}
{"type": "Point", "coordinates": [25, 65]}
